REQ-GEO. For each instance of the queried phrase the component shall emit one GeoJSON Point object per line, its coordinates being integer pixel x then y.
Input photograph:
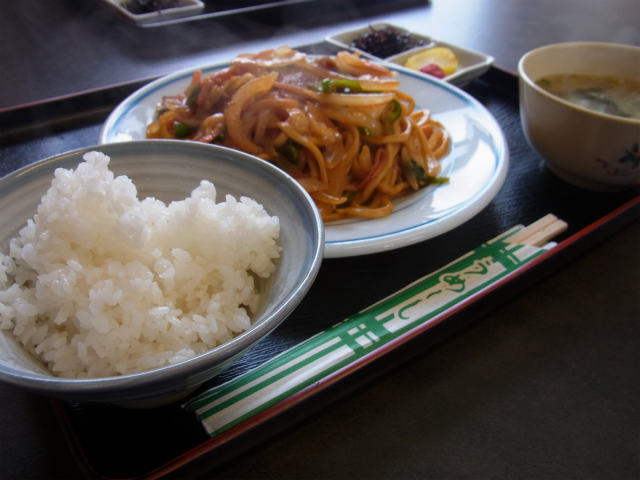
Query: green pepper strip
{"type": "Point", "coordinates": [192, 97]}
{"type": "Point", "coordinates": [350, 198]}
{"type": "Point", "coordinates": [396, 110]}
{"type": "Point", "coordinates": [413, 170]}
{"type": "Point", "coordinates": [180, 130]}
{"type": "Point", "coordinates": [290, 151]}
{"type": "Point", "coordinates": [341, 85]}
{"type": "Point", "coordinates": [221, 137]}
{"type": "Point", "coordinates": [438, 180]}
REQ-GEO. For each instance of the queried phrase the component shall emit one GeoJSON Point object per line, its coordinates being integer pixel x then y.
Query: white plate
{"type": "Point", "coordinates": [476, 165]}
{"type": "Point", "coordinates": [471, 64]}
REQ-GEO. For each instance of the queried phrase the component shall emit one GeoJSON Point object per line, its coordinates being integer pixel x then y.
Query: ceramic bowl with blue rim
{"type": "Point", "coordinates": [170, 170]}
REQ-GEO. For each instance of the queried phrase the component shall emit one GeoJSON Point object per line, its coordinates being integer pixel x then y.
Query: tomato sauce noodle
{"type": "Point", "coordinates": [337, 124]}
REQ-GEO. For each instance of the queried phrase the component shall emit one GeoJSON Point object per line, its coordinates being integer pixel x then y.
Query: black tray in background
{"type": "Point", "coordinates": [106, 439]}
{"type": "Point", "coordinates": [226, 8]}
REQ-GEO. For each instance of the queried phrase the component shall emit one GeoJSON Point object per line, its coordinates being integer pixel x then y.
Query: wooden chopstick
{"type": "Point", "coordinates": [539, 232]}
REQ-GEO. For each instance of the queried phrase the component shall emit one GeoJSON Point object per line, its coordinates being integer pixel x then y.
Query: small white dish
{"type": "Point", "coordinates": [476, 165]}
{"type": "Point", "coordinates": [471, 64]}
{"type": "Point", "coordinates": [185, 8]}
{"type": "Point", "coordinates": [345, 39]}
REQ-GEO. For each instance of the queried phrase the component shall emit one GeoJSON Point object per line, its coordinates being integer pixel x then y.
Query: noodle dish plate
{"type": "Point", "coordinates": [476, 164]}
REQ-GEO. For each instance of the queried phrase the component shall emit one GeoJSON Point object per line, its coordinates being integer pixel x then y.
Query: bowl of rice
{"type": "Point", "coordinates": [132, 273]}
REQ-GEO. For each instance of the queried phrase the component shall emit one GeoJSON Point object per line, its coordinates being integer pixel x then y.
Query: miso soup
{"type": "Point", "coordinates": [604, 93]}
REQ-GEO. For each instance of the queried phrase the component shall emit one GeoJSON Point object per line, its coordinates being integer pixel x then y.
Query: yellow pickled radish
{"type": "Point", "coordinates": [441, 56]}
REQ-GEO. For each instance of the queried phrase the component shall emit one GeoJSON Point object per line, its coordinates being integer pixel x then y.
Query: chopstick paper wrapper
{"type": "Point", "coordinates": [230, 403]}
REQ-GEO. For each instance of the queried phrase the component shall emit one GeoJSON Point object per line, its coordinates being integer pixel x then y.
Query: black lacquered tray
{"type": "Point", "coordinates": [106, 440]}
{"type": "Point", "coordinates": [225, 8]}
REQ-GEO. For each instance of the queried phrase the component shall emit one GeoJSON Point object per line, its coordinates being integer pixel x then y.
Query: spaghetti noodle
{"type": "Point", "coordinates": [338, 124]}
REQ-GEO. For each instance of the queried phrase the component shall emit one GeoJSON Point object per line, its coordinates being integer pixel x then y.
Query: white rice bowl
{"type": "Point", "coordinates": [100, 283]}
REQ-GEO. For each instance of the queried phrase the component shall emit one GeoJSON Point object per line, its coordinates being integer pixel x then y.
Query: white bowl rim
{"type": "Point", "coordinates": [531, 83]}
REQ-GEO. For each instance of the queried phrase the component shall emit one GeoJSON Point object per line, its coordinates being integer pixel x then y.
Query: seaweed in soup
{"type": "Point", "coordinates": [608, 94]}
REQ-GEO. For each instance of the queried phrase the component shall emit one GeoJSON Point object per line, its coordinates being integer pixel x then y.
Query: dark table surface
{"type": "Point", "coordinates": [545, 386]}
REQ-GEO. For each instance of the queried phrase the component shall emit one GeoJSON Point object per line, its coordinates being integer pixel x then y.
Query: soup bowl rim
{"type": "Point", "coordinates": [526, 77]}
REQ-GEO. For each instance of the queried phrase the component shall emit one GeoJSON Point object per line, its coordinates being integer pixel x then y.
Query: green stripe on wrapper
{"type": "Point", "coordinates": [226, 405]}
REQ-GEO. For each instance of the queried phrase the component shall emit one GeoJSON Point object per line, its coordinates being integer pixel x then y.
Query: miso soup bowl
{"type": "Point", "coordinates": [584, 147]}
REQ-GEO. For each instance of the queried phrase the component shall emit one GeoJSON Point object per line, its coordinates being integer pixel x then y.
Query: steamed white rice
{"type": "Point", "coordinates": [100, 283]}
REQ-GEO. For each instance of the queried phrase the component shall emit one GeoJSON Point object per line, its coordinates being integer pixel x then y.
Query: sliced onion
{"type": "Point", "coordinates": [355, 99]}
